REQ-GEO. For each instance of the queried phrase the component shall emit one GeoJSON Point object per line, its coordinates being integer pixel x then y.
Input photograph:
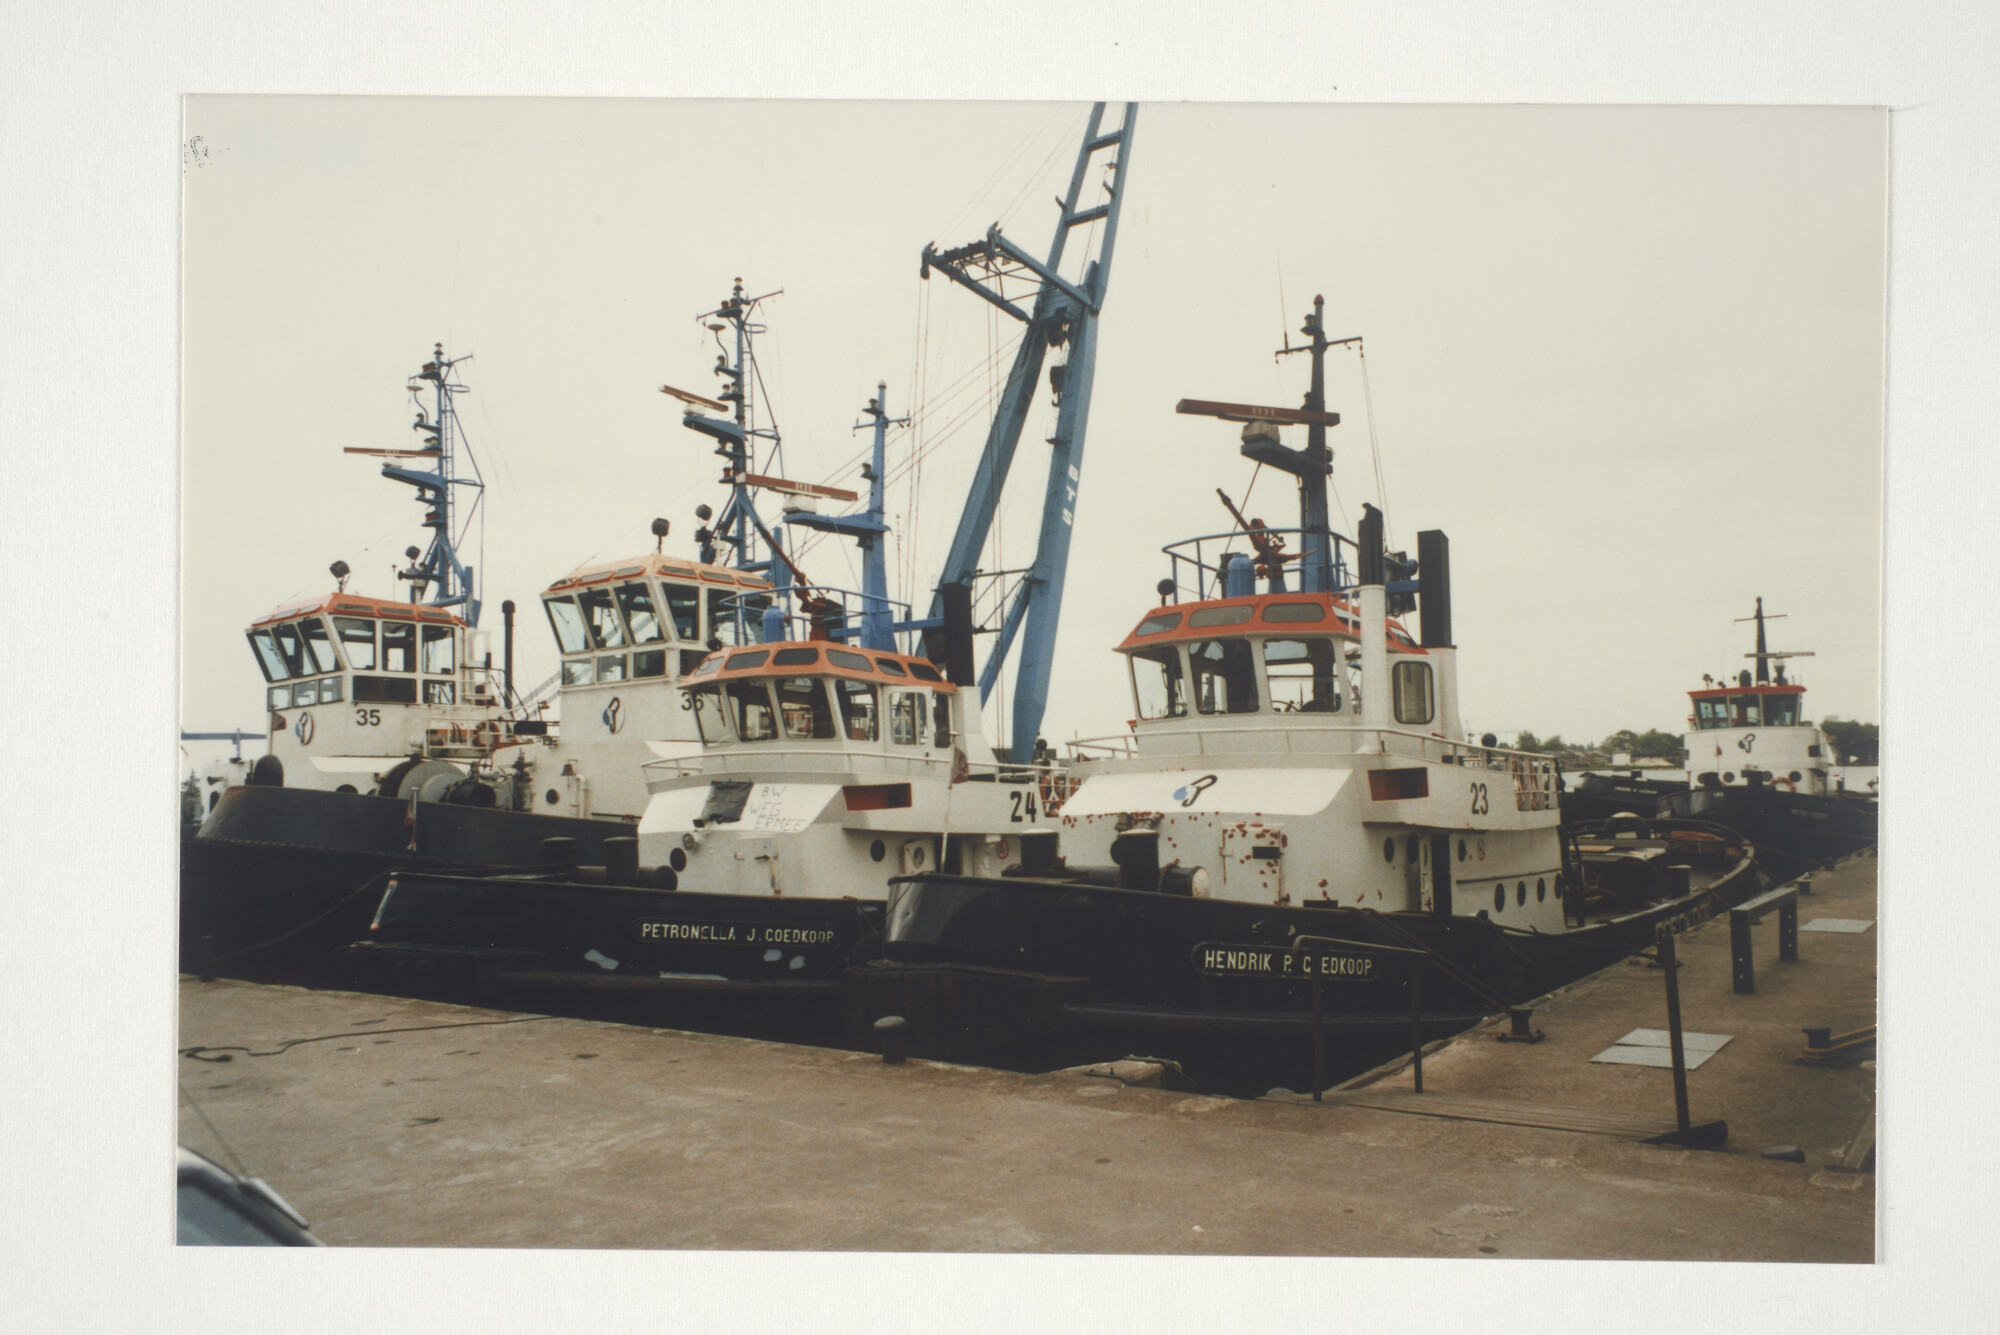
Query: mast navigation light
{"type": "Point", "coordinates": [339, 571]}
{"type": "Point", "coordinates": [412, 552]}
{"type": "Point", "coordinates": [660, 527]}
{"type": "Point", "coordinates": [703, 513]}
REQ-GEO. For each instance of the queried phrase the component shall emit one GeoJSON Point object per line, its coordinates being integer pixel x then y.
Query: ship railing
{"type": "Point", "coordinates": [1050, 779]}
{"type": "Point", "coordinates": [1195, 564]}
{"type": "Point", "coordinates": [838, 617]}
{"type": "Point", "coordinates": [1116, 746]}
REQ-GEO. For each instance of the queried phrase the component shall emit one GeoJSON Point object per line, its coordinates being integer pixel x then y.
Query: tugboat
{"type": "Point", "coordinates": [844, 747]}
{"type": "Point", "coordinates": [394, 741]}
{"type": "Point", "coordinates": [1758, 765]}
{"type": "Point", "coordinates": [1292, 831]}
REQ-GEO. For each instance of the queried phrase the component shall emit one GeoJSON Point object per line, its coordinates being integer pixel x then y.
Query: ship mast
{"type": "Point", "coordinates": [437, 569]}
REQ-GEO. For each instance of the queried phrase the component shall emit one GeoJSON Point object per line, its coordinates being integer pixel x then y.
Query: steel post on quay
{"type": "Point", "coordinates": [1319, 1045]}
{"type": "Point", "coordinates": [1416, 959]}
{"type": "Point", "coordinates": [1416, 1023]}
{"type": "Point", "coordinates": [1671, 966]}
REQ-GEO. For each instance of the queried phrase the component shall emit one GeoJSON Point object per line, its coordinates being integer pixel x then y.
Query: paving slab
{"type": "Point", "coordinates": [402, 1123]}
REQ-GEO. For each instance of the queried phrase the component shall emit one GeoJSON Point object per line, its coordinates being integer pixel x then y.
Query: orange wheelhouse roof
{"type": "Point", "coordinates": [354, 604]}
{"type": "Point", "coordinates": [794, 658]}
{"type": "Point", "coordinates": [1263, 614]}
{"type": "Point", "coordinates": [663, 567]}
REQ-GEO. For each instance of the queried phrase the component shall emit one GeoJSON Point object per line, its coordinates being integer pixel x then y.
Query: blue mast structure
{"type": "Point", "coordinates": [869, 531]}
{"type": "Point", "coordinates": [1061, 312]}
{"type": "Point", "coordinates": [438, 568]}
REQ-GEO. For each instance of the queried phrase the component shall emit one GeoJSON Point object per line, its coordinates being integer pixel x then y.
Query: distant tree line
{"type": "Point", "coordinates": [1856, 743]}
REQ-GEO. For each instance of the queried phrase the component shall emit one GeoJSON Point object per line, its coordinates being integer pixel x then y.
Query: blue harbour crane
{"type": "Point", "coordinates": [1057, 313]}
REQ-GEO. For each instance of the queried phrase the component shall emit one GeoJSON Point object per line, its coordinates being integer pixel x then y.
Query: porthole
{"type": "Point", "coordinates": [878, 850]}
{"type": "Point", "coordinates": [1461, 850]}
{"type": "Point", "coordinates": [1499, 898]}
{"type": "Point", "coordinates": [1793, 776]}
{"type": "Point", "coordinates": [552, 797]}
{"type": "Point", "coordinates": [1729, 778]}
{"type": "Point", "coordinates": [1389, 849]}
{"type": "Point", "coordinates": [347, 788]}
{"type": "Point", "coordinates": [1541, 889]}
{"type": "Point", "coordinates": [1521, 893]}
{"type": "Point", "coordinates": [677, 859]}
{"type": "Point", "coordinates": [1412, 846]}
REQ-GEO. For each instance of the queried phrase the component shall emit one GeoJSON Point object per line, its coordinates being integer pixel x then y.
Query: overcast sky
{"type": "Point", "coordinates": [1629, 359]}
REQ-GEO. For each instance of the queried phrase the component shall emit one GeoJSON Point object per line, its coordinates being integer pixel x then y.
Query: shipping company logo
{"type": "Point", "coordinates": [1186, 794]}
{"type": "Point", "coordinates": [1748, 742]}
{"type": "Point", "coordinates": [614, 715]}
{"type": "Point", "coordinates": [303, 729]}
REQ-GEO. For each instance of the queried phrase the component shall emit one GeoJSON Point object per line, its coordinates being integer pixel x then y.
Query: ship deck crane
{"type": "Point", "coordinates": [1058, 312]}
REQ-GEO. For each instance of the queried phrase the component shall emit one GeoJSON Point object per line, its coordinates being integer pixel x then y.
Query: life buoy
{"type": "Point", "coordinates": [1053, 791]}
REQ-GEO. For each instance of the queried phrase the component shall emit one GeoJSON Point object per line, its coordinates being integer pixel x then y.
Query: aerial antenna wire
{"type": "Point", "coordinates": [1374, 447]}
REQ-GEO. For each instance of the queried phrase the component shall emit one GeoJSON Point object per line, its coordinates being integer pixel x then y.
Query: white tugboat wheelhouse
{"type": "Point", "coordinates": [356, 686]}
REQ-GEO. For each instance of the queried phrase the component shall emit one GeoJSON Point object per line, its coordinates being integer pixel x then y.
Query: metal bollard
{"type": "Point", "coordinates": [621, 860]}
{"type": "Point", "coordinates": [895, 1037]}
{"type": "Point", "coordinates": [559, 851]}
{"type": "Point", "coordinates": [208, 959]}
{"type": "Point", "coordinates": [1520, 1027]}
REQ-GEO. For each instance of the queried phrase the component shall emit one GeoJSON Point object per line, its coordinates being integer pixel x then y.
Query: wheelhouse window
{"type": "Point", "coordinates": [268, 658]}
{"type": "Point", "coordinates": [649, 663]}
{"type": "Point", "coordinates": [941, 718]}
{"type": "Point", "coordinates": [579, 672]}
{"type": "Point", "coordinates": [386, 690]}
{"type": "Point", "coordinates": [1225, 678]}
{"type": "Point", "coordinates": [1781, 711]}
{"type": "Point", "coordinates": [438, 692]}
{"type": "Point", "coordinates": [907, 717]}
{"type": "Point", "coordinates": [357, 641]}
{"type": "Point", "coordinates": [803, 706]}
{"type": "Point", "coordinates": [1158, 686]}
{"type": "Point", "coordinates": [1410, 691]}
{"type": "Point", "coordinates": [399, 646]}
{"type": "Point", "coordinates": [1747, 712]}
{"type": "Point", "coordinates": [611, 667]}
{"type": "Point", "coordinates": [319, 655]}
{"type": "Point", "coordinates": [750, 711]}
{"type": "Point", "coordinates": [1711, 713]}
{"type": "Point", "coordinates": [710, 719]}
{"type": "Point", "coordinates": [857, 709]}
{"type": "Point", "coordinates": [292, 647]}
{"type": "Point", "coordinates": [636, 602]}
{"type": "Point", "coordinates": [567, 622]}
{"type": "Point", "coordinates": [278, 697]}
{"type": "Point", "coordinates": [439, 649]}
{"type": "Point", "coordinates": [684, 608]}
{"type": "Point", "coordinates": [1302, 674]}
{"type": "Point", "coordinates": [600, 617]}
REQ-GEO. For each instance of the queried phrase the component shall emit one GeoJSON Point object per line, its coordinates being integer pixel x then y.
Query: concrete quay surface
{"type": "Point", "coordinates": [407, 1123]}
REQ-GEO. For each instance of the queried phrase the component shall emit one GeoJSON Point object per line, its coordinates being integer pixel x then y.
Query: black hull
{"type": "Point", "coordinates": [1602, 796]}
{"type": "Point", "coordinates": [1816, 827]}
{"type": "Point", "coordinates": [1037, 974]}
{"type": "Point", "coordinates": [759, 965]}
{"type": "Point", "coordinates": [277, 879]}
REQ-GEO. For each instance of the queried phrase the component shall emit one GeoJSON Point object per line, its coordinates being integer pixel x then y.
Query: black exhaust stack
{"type": "Point", "coordinates": [950, 645]}
{"type": "Point", "coordinates": [1371, 545]}
{"type": "Point", "coordinates": [1434, 588]}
